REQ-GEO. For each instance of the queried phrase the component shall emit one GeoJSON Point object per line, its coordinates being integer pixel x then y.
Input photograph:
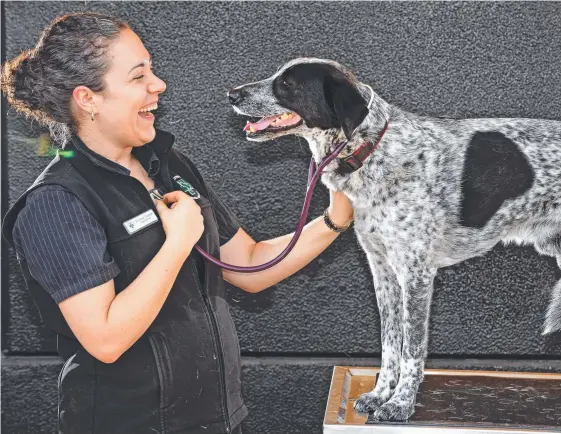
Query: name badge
{"type": "Point", "coordinates": [186, 187]}
{"type": "Point", "coordinates": [140, 221]}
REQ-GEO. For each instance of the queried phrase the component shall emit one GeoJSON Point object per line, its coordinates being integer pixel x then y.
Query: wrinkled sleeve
{"type": "Point", "coordinates": [64, 246]}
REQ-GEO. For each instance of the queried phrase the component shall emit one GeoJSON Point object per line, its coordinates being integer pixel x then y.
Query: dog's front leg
{"type": "Point", "coordinates": [417, 285]}
{"type": "Point", "coordinates": [390, 306]}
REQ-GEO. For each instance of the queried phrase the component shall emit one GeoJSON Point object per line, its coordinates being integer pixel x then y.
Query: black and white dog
{"type": "Point", "coordinates": [427, 193]}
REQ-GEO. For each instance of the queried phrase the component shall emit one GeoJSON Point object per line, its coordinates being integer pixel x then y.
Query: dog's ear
{"type": "Point", "coordinates": [346, 103]}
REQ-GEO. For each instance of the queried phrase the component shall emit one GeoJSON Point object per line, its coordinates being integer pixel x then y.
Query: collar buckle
{"type": "Point", "coordinates": [356, 160]}
{"type": "Point", "coordinates": [350, 163]}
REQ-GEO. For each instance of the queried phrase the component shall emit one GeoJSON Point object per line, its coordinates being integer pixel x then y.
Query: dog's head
{"type": "Point", "coordinates": [304, 95]}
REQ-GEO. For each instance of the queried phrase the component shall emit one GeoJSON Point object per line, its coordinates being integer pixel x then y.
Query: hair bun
{"type": "Point", "coordinates": [72, 51]}
{"type": "Point", "coordinates": [22, 84]}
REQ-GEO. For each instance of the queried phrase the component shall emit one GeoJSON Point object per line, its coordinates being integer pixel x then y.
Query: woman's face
{"type": "Point", "coordinates": [131, 87]}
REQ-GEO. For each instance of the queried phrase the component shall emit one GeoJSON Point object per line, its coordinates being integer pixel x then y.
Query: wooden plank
{"type": "Point", "coordinates": [454, 401]}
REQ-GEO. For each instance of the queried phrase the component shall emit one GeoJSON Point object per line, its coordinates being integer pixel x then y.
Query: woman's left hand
{"type": "Point", "coordinates": [340, 209]}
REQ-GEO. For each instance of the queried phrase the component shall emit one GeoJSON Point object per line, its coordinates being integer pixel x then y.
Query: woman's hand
{"type": "Point", "coordinates": [183, 221]}
{"type": "Point", "coordinates": [108, 324]}
{"type": "Point", "coordinates": [340, 209]}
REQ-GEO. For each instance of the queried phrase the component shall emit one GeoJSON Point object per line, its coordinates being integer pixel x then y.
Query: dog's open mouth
{"type": "Point", "coordinates": [271, 124]}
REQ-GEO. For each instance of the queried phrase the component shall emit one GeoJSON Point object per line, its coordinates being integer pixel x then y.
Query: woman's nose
{"type": "Point", "coordinates": [158, 86]}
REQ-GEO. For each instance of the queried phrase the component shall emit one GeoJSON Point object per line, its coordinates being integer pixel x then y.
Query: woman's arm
{"type": "Point", "coordinates": [316, 236]}
{"type": "Point", "coordinates": [107, 324]}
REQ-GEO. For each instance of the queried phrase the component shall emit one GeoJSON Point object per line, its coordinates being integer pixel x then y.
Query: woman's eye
{"type": "Point", "coordinates": [142, 76]}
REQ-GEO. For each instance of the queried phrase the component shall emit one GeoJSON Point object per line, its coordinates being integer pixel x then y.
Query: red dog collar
{"type": "Point", "coordinates": [355, 161]}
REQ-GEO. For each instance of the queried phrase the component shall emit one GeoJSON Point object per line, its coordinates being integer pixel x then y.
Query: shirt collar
{"type": "Point", "coordinates": [146, 154]}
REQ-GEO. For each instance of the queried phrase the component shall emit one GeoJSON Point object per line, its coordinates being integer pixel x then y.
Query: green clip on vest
{"type": "Point", "coordinates": [186, 187]}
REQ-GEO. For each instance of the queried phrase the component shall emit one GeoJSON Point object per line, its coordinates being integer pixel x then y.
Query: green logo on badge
{"type": "Point", "coordinates": [186, 187]}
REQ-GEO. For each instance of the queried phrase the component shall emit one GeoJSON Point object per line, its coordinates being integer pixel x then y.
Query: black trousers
{"type": "Point", "coordinates": [237, 430]}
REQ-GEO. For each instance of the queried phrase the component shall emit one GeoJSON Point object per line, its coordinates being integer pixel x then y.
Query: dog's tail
{"type": "Point", "coordinates": [553, 316]}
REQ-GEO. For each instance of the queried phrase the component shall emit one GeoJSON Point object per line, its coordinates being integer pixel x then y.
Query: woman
{"type": "Point", "coordinates": [141, 320]}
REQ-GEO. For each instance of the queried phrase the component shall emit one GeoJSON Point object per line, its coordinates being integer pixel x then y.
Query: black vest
{"type": "Point", "coordinates": [183, 374]}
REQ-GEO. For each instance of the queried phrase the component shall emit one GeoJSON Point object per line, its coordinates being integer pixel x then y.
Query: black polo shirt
{"type": "Point", "coordinates": [66, 248]}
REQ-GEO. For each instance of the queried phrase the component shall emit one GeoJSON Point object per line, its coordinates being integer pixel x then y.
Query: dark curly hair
{"type": "Point", "coordinates": [71, 52]}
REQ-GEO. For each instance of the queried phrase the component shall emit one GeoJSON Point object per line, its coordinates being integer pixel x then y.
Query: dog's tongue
{"type": "Point", "coordinates": [261, 125]}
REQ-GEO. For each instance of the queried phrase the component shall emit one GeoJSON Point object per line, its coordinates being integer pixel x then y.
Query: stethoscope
{"type": "Point", "coordinates": [313, 177]}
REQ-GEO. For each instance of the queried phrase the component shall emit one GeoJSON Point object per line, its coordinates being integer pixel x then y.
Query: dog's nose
{"type": "Point", "coordinates": [235, 96]}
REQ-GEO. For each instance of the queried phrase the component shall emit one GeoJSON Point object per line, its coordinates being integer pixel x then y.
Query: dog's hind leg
{"type": "Point", "coordinates": [390, 306]}
{"type": "Point", "coordinates": [551, 246]}
{"type": "Point", "coordinates": [416, 279]}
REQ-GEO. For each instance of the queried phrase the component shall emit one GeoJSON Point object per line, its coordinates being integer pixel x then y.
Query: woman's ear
{"type": "Point", "coordinates": [346, 102]}
{"type": "Point", "coordinates": [84, 99]}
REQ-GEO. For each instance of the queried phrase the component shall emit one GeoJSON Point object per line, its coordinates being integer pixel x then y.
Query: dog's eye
{"type": "Point", "coordinates": [285, 82]}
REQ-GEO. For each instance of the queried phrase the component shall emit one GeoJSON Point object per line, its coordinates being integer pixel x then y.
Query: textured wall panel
{"type": "Point", "coordinates": [29, 394]}
{"type": "Point", "coordinates": [452, 59]}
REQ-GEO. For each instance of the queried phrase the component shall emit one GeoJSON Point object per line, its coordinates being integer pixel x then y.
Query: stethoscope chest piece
{"type": "Point", "coordinates": [155, 194]}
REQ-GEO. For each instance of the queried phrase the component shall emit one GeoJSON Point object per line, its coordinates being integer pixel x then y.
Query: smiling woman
{"type": "Point", "coordinates": [100, 87]}
{"type": "Point", "coordinates": [124, 108]}
{"type": "Point", "coordinates": [114, 272]}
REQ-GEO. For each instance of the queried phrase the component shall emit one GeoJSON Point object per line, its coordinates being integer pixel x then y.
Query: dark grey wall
{"type": "Point", "coordinates": [444, 59]}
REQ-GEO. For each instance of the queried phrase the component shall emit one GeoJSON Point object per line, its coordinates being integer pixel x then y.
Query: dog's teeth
{"type": "Point", "coordinates": [285, 116]}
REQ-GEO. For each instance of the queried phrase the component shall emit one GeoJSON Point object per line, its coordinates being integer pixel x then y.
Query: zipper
{"type": "Point", "coordinates": [158, 356]}
{"type": "Point", "coordinates": [162, 379]}
{"type": "Point", "coordinates": [216, 340]}
{"type": "Point", "coordinates": [209, 313]}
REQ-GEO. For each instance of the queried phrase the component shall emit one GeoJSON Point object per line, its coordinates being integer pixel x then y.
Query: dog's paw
{"type": "Point", "coordinates": [394, 410]}
{"type": "Point", "coordinates": [368, 402]}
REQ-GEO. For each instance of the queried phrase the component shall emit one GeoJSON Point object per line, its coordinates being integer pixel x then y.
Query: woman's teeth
{"type": "Point", "coordinates": [149, 108]}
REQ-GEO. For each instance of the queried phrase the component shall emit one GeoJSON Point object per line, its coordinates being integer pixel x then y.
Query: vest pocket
{"type": "Point", "coordinates": [164, 367]}
{"type": "Point", "coordinates": [64, 366]}
{"type": "Point", "coordinates": [76, 395]}
{"type": "Point", "coordinates": [231, 354]}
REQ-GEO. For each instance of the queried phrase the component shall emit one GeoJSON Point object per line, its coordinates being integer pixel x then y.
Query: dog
{"type": "Point", "coordinates": [427, 193]}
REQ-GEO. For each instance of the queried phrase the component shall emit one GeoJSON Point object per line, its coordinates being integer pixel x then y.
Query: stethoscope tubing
{"type": "Point", "coordinates": [313, 177]}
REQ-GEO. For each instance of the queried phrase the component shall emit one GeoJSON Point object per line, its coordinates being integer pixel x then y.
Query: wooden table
{"type": "Point", "coordinates": [449, 401]}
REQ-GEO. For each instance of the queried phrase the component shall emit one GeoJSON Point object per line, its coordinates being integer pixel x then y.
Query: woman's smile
{"type": "Point", "coordinates": [146, 112]}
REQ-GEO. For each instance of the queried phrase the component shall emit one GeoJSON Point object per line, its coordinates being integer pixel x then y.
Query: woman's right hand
{"type": "Point", "coordinates": [183, 222]}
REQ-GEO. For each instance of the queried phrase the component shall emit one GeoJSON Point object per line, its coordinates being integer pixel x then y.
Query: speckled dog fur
{"type": "Point", "coordinates": [435, 192]}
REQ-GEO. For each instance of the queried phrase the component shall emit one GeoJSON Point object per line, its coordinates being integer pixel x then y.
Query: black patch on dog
{"type": "Point", "coordinates": [322, 95]}
{"type": "Point", "coordinates": [494, 170]}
